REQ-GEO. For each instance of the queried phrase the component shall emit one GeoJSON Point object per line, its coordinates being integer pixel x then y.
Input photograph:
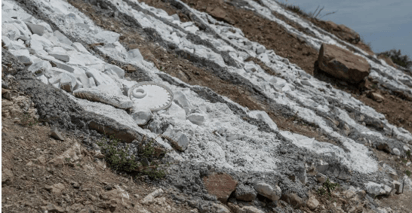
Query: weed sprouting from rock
{"type": "Point", "coordinates": [328, 186]}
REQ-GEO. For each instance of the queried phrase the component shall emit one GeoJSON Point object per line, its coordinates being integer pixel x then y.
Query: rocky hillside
{"type": "Point", "coordinates": [197, 106]}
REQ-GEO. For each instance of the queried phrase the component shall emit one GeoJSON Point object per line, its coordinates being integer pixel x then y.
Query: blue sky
{"type": "Point", "coordinates": [385, 24]}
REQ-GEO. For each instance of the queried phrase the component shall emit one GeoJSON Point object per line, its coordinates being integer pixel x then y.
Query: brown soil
{"type": "Point", "coordinates": [190, 73]}
{"type": "Point", "coordinates": [36, 177]}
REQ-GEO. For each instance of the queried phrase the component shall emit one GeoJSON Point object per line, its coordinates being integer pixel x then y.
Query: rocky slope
{"type": "Point", "coordinates": [253, 126]}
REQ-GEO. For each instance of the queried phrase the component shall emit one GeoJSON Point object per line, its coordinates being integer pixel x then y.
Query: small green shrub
{"type": "Point", "coordinates": [398, 58]}
{"type": "Point", "coordinates": [328, 186]}
{"type": "Point", "coordinates": [408, 173]}
{"type": "Point", "coordinates": [146, 162]}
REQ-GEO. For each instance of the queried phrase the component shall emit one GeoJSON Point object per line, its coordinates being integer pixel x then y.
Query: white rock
{"type": "Point", "coordinates": [141, 116]}
{"type": "Point", "coordinates": [196, 118]}
{"type": "Point", "coordinates": [23, 56]}
{"type": "Point", "coordinates": [260, 49]}
{"type": "Point", "coordinates": [79, 47]}
{"type": "Point", "coordinates": [36, 29]}
{"type": "Point", "coordinates": [60, 54]}
{"type": "Point", "coordinates": [115, 69]}
{"type": "Point", "coordinates": [307, 83]}
{"type": "Point", "coordinates": [92, 82]}
{"type": "Point", "coordinates": [249, 67]}
{"type": "Point", "coordinates": [176, 112]}
{"type": "Point", "coordinates": [62, 38]}
{"type": "Point", "coordinates": [181, 100]}
{"type": "Point", "coordinates": [406, 148]}
{"type": "Point", "coordinates": [67, 82]}
{"type": "Point", "coordinates": [82, 77]}
{"type": "Point", "coordinates": [374, 189]}
{"type": "Point", "coordinates": [312, 203]}
{"type": "Point", "coordinates": [10, 31]}
{"type": "Point", "coordinates": [40, 67]}
{"type": "Point", "coordinates": [43, 79]}
{"type": "Point", "coordinates": [273, 193]}
{"type": "Point", "coordinates": [396, 151]}
{"type": "Point", "coordinates": [134, 55]}
{"type": "Point", "coordinates": [180, 140]}
{"type": "Point", "coordinates": [263, 116]}
{"type": "Point", "coordinates": [100, 78]}
{"type": "Point", "coordinates": [150, 197]}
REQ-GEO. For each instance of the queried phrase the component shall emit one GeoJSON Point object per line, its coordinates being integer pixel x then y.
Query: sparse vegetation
{"type": "Point", "coordinates": [408, 173]}
{"type": "Point", "coordinates": [398, 58]}
{"type": "Point", "coordinates": [27, 120]}
{"type": "Point", "coordinates": [315, 14]}
{"type": "Point", "coordinates": [145, 162]}
{"type": "Point", "coordinates": [328, 186]}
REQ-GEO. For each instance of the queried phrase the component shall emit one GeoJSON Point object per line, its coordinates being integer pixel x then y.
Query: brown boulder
{"type": "Point", "coordinates": [343, 32]}
{"type": "Point", "coordinates": [220, 14]}
{"type": "Point", "coordinates": [220, 185]}
{"type": "Point", "coordinates": [342, 64]}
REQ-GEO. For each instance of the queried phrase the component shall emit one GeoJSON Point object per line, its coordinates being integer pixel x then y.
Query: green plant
{"type": "Point", "coordinates": [145, 162]}
{"type": "Point", "coordinates": [327, 186]}
{"type": "Point", "coordinates": [398, 58]}
{"type": "Point", "coordinates": [408, 173]}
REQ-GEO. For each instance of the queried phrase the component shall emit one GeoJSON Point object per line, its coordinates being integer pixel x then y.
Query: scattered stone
{"type": "Point", "coordinates": [130, 68]}
{"type": "Point", "coordinates": [321, 178]}
{"type": "Point", "coordinates": [36, 29]}
{"type": "Point", "coordinates": [376, 189]}
{"type": "Point", "coordinates": [322, 166]}
{"type": "Point", "coordinates": [263, 116]}
{"type": "Point", "coordinates": [293, 199]}
{"type": "Point", "coordinates": [312, 203]}
{"type": "Point", "coordinates": [56, 135]}
{"type": "Point", "coordinates": [196, 118]}
{"type": "Point", "coordinates": [383, 147]}
{"type": "Point", "coordinates": [52, 208]}
{"type": "Point", "coordinates": [73, 154]}
{"type": "Point", "coordinates": [218, 208]}
{"type": "Point", "coordinates": [115, 69]}
{"type": "Point", "coordinates": [396, 151]}
{"type": "Point", "coordinates": [62, 38]}
{"type": "Point", "coordinates": [56, 189]}
{"type": "Point", "coordinates": [7, 176]}
{"type": "Point", "coordinates": [245, 193]}
{"type": "Point", "coordinates": [141, 116]}
{"type": "Point", "coordinates": [40, 67]}
{"type": "Point", "coordinates": [75, 185]}
{"type": "Point", "coordinates": [220, 14]}
{"type": "Point", "coordinates": [150, 197]}
{"type": "Point", "coordinates": [273, 193]}
{"type": "Point", "coordinates": [60, 54]}
{"type": "Point", "coordinates": [220, 185]}
{"type": "Point", "coordinates": [181, 100]}
{"type": "Point", "coordinates": [397, 186]}
{"type": "Point", "coordinates": [178, 139]}
{"type": "Point", "coordinates": [342, 63]}
{"type": "Point", "coordinates": [376, 96]}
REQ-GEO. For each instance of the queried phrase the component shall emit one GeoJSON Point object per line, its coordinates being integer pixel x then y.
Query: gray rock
{"type": "Point", "coordinates": [245, 193]}
{"type": "Point", "coordinates": [179, 140]}
{"type": "Point", "coordinates": [196, 118]}
{"type": "Point", "coordinates": [321, 178]}
{"type": "Point", "coordinates": [312, 203]}
{"type": "Point", "coordinates": [56, 135]}
{"type": "Point", "coordinates": [293, 199]}
{"type": "Point", "coordinates": [398, 187]}
{"type": "Point", "coordinates": [141, 116]}
{"type": "Point", "coordinates": [36, 29]}
{"type": "Point", "coordinates": [79, 47]}
{"type": "Point", "coordinates": [266, 190]}
{"type": "Point", "coordinates": [135, 55]}
{"type": "Point", "coordinates": [181, 100]}
{"type": "Point", "coordinates": [115, 69]}
{"type": "Point", "coordinates": [396, 151]}
{"type": "Point", "coordinates": [321, 167]}
{"type": "Point", "coordinates": [62, 38]}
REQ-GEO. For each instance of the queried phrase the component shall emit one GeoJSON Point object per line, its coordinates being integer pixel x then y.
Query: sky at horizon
{"type": "Point", "coordinates": [384, 24]}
